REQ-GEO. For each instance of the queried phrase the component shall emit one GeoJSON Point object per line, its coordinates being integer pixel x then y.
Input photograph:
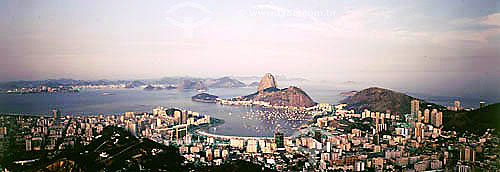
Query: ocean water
{"type": "Point", "coordinates": [237, 121]}
{"type": "Point", "coordinates": [92, 102]}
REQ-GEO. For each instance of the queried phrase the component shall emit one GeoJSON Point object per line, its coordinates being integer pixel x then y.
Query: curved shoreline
{"type": "Point", "coordinates": [203, 133]}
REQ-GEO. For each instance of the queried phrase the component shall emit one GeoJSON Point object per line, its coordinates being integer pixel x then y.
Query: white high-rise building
{"type": "Point", "coordinates": [439, 119]}
{"type": "Point", "coordinates": [252, 146]}
{"type": "Point", "coordinates": [415, 107]}
{"type": "Point", "coordinates": [433, 116]}
{"type": "Point", "coordinates": [158, 122]}
{"type": "Point", "coordinates": [426, 115]}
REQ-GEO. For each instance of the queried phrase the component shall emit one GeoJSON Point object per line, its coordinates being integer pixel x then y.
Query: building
{"type": "Point", "coordinates": [252, 146]}
{"type": "Point", "coordinates": [184, 117]}
{"type": "Point", "coordinates": [158, 122]}
{"type": "Point", "coordinates": [132, 128]}
{"type": "Point", "coordinates": [414, 107]}
{"type": "Point", "coordinates": [177, 116]}
{"type": "Point", "coordinates": [180, 131]}
{"type": "Point", "coordinates": [376, 139]}
{"type": "Point", "coordinates": [359, 166]}
{"type": "Point", "coordinates": [464, 168]}
{"type": "Point", "coordinates": [28, 144]}
{"type": "Point", "coordinates": [433, 116]}
{"type": "Point", "coordinates": [129, 115]}
{"type": "Point", "coordinates": [419, 116]}
{"type": "Point", "coordinates": [56, 113]}
{"type": "Point", "coordinates": [208, 154]}
{"type": "Point", "coordinates": [237, 143]}
{"type": "Point", "coordinates": [217, 153]}
{"type": "Point", "coordinates": [225, 153]}
{"type": "Point", "coordinates": [419, 131]}
{"type": "Point", "coordinates": [426, 116]}
{"type": "Point", "coordinates": [457, 105]}
{"type": "Point", "coordinates": [467, 154]}
{"type": "Point", "coordinates": [436, 164]}
{"type": "Point", "coordinates": [36, 143]}
{"type": "Point", "coordinates": [439, 119]}
{"type": "Point", "coordinates": [482, 104]}
{"type": "Point", "coordinates": [279, 139]}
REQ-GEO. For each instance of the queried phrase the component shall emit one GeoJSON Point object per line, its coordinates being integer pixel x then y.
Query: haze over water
{"type": "Point", "coordinates": [446, 47]}
{"type": "Point", "coordinates": [92, 102]}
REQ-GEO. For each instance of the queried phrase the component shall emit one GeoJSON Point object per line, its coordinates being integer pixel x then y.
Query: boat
{"type": "Point", "coordinates": [107, 94]}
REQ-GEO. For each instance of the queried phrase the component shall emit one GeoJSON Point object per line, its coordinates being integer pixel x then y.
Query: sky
{"type": "Point", "coordinates": [436, 46]}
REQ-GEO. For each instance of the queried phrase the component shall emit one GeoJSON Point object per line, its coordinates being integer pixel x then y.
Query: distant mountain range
{"type": "Point", "coordinates": [204, 84]}
{"type": "Point", "coordinates": [380, 100]}
{"type": "Point", "coordinates": [68, 82]}
{"type": "Point", "coordinates": [254, 84]}
{"type": "Point", "coordinates": [153, 88]}
{"type": "Point", "coordinates": [183, 83]}
{"type": "Point", "coordinates": [180, 81]}
{"type": "Point", "coordinates": [192, 85]}
{"type": "Point", "coordinates": [278, 77]}
{"type": "Point", "coordinates": [224, 82]}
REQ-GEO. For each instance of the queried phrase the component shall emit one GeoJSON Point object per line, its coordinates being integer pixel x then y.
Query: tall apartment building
{"type": "Point", "coordinates": [426, 116]}
{"type": "Point", "coordinates": [415, 107]}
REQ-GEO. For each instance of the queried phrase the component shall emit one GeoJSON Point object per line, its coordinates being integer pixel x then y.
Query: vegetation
{"type": "Point", "coordinates": [380, 100]}
{"type": "Point", "coordinates": [476, 121]}
{"type": "Point", "coordinates": [118, 150]}
{"type": "Point", "coordinates": [234, 166]}
{"type": "Point", "coordinates": [204, 97]}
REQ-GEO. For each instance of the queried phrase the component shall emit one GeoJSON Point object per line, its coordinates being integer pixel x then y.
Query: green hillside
{"type": "Point", "coordinates": [476, 121]}
{"type": "Point", "coordinates": [380, 100]}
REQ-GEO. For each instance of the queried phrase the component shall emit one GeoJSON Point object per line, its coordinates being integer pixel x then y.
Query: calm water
{"type": "Point", "coordinates": [91, 101]}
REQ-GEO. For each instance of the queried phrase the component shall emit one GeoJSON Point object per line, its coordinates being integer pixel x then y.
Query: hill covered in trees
{"type": "Point", "coordinates": [380, 100]}
{"type": "Point", "coordinates": [476, 121]}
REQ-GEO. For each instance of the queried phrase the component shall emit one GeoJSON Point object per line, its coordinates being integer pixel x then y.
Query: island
{"type": "Point", "coordinates": [156, 88]}
{"type": "Point", "coordinates": [204, 98]}
{"type": "Point", "coordinates": [348, 93]}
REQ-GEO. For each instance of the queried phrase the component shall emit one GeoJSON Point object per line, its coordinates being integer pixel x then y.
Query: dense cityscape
{"type": "Point", "coordinates": [337, 139]}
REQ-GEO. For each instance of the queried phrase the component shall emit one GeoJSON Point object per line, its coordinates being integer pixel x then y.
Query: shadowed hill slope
{"type": "Point", "coordinates": [380, 99]}
{"type": "Point", "coordinates": [291, 96]}
{"type": "Point", "coordinates": [476, 121]}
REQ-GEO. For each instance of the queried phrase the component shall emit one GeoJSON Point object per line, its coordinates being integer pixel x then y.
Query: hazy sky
{"type": "Point", "coordinates": [418, 43]}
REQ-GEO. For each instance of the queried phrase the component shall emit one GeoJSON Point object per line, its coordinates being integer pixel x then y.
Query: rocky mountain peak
{"type": "Point", "coordinates": [267, 81]}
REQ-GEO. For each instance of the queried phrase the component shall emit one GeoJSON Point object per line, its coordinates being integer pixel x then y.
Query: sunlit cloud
{"type": "Point", "coordinates": [492, 19]}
